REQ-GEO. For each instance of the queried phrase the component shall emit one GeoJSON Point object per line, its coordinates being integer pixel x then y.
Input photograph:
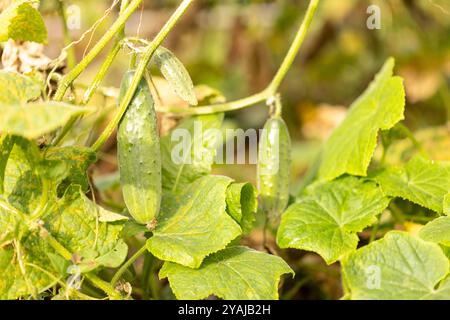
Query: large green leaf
{"type": "Point", "coordinates": [328, 217]}
{"type": "Point", "coordinates": [399, 266]}
{"type": "Point", "coordinates": [35, 119]}
{"type": "Point", "coordinates": [236, 273]}
{"type": "Point", "coordinates": [421, 181]}
{"type": "Point", "coordinates": [17, 89]}
{"type": "Point", "coordinates": [242, 204]}
{"type": "Point", "coordinates": [437, 231]}
{"type": "Point", "coordinates": [78, 226]}
{"type": "Point", "coordinates": [6, 145]}
{"type": "Point", "coordinates": [21, 21]}
{"type": "Point", "coordinates": [194, 224]}
{"type": "Point", "coordinates": [189, 150]}
{"type": "Point", "coordinates": [351, 145]}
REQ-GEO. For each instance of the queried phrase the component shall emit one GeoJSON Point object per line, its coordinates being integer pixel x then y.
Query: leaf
{"type": "Point", "coordinates": [242, 204]}
{"type": "Point", "coordinates": [109, 216]}
{"type": "Point", "coordinates": [446, 204]}
{"type": "Point", "coordinates": [421, 181]}
{"type": "Point", "coordinates": [188, 152]}
{"type": "Point", "coordinates": [6, 145]}
{"type": "Point", "coordinates": [76, 225]}
{"type": "Point", "coordinates": [236, 273]}
{"type": "Point", "coordinates": [437, 230]}
{"type": "Point", "coordinates": [327, 219]}
{"type": "Point", "coordinates": [36, 119]}
{"type": "Point", "coordinates": [22, 185]}
{"type": "Point", "coordinates": [78, 159]}
{"type": "Point", "coordinates": [399, 267]}
{"type": "Point", "coordinates": [351, 145]}
{"type": "Point", "coordinates": [25, 268]}
{"type": "Point", "coordinates": [17, 89]}
{"type": "Point", "coordinates": [176, 74]}
{"type": "Point", "coordinates": [194, 224]}
{"type": "Point", "coordinates": [21, 21]}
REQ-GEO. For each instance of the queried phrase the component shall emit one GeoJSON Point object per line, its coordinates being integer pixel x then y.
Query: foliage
{"type": "Point", "coordinates": [62, 236]}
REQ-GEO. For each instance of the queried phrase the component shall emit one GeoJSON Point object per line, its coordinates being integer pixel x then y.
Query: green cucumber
{"type": "Point", "coordinates": [273, 171]}
{"type": "Point", "coordinates": [139, 154]}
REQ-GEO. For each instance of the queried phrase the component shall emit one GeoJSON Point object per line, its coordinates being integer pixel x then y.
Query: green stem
{"type": "Point", "coordinates": [103, 285]}
{"type": "Point", "coordinates": [127, 264]}
{"type": "Point", "coordinates": [295, 47]}
{"type": "Point", "coordinates": [116, 28]}
{"type": "Point", "coordinates": [71, 57]}
{"type": "Point", "coordinates": [271, 89]}
{"type": "Point", "coordinates": [405, 130]}
{"type": "Point", "coordinates": [140, 72]}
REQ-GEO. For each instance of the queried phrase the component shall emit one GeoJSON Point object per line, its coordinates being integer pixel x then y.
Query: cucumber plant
{"type": "Point", "coordinates": [187, 223]}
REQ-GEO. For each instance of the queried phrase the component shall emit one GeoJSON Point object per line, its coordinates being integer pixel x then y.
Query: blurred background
{"type": "Point", "coordinates": [236, 48]}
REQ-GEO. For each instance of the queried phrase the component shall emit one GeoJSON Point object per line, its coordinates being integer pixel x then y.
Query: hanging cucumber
{"type": "Point", "coordinates": [139, 154]}
{"type": "Point", "coordinates": [274, 164]}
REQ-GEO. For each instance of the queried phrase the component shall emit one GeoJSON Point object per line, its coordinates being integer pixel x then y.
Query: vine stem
{"type": "Point", "coordinates": [127, 264]}
{"type": "Point", "coordinates": [142, 66]}
{"type": "Point", "coordinates": [271, 89]}
{"type": "Point", "coordinates": [101, 74]}
{"type": "Point", "coordinates": [67, 80]}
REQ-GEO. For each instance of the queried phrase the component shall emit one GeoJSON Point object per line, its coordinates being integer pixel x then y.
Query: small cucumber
{"type": "Point", "coordinates": [274, 164]}
{"type": "Point", "coordinates": [176, 74]}
{"type": "Point", "coordinates": [139, 154]}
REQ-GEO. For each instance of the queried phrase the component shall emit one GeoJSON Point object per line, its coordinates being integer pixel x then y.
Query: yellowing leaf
{"type": "Point", "coordinates": [236, 273]}
{"type": "Point", "coordinates": [351, 145]}
{"type": "Point", "coordinates": [35, 119]}
{"type": "Point", "coordinates": [21, 21]}
{"type": "Point", "coordinates": [17, 89]}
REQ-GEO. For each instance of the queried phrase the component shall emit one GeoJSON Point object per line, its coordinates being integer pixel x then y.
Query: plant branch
{"type": "Point", "coordinates": [67, 80]}
{"type": "Point", "coordinates": [127, 264]}
{"type": "Point", "coordinates": [271, 89]}
{"type": "Point", "coordinates": [151, 48]}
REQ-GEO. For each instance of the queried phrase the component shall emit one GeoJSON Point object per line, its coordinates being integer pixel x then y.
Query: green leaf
{"type": "Point", "coordinates": [176, 74]}
{"type": "Point", "coordinates": [242, 204]}
{"type": "Point", "coordinates": [36, 119]}
{"type": "Point", "coordinates": [21, 21]}
{"type": "Point", "coordinates": [437, 231]}
{"type": "Point", "coordinates": [77, 225]}
{"type": "Point", "coordinates": [327, 219]}
{"type": "Point", "coordinates": [398, 267]}
{"type": "Point", "coordinates": [446, 204]}
{"type": "Point", "coordinates": [17, 89]}
{"type": "Point", "coordinates": [421, 181]}
{"type": "Point", "coordinates": [236, 273]}
{"type": "Point", "coordinates": [194, 224]}
{"type": "Point", "coordinates": [188, 152]}
{"type": "Point", "coordinates": [351, 145]}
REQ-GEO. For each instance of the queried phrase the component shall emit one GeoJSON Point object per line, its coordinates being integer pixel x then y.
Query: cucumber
{"type": "Point", "coordinates": [139, 154]}
{"type": "Point", "coordinates": [273, 170]}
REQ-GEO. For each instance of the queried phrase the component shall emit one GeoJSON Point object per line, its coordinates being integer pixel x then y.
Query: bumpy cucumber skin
{"type": "Point", "coordinates": [273, 171]}
{"type": "Point", "coordinates": [139, 154]}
